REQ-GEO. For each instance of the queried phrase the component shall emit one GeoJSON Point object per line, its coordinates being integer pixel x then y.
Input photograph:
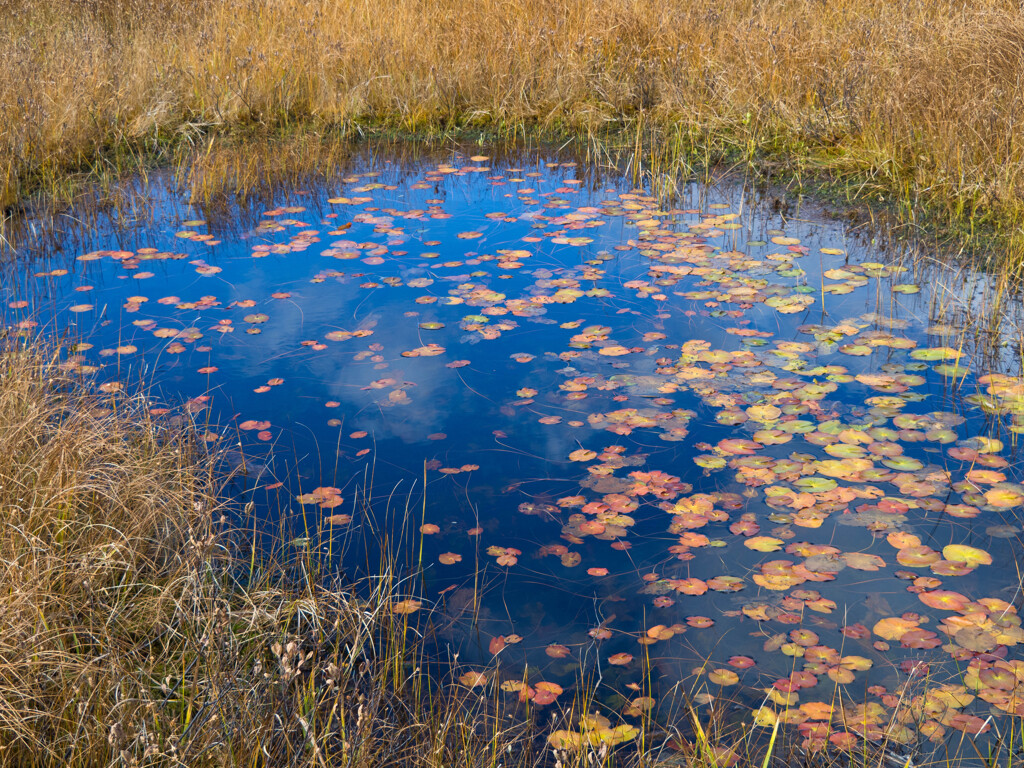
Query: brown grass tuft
{"type": "Point", "coordinates": [105, 523]}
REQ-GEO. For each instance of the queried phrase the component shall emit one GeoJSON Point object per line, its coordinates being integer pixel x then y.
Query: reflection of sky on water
{"type": "Point", "coordinates": [417, 409]}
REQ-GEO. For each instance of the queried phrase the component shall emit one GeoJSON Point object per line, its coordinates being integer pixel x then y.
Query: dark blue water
{"type": "Point", "coordinates": [690, 447]}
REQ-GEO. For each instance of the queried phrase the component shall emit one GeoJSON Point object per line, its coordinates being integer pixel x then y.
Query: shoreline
{"type": "Point", "coordinates": [909, 110]}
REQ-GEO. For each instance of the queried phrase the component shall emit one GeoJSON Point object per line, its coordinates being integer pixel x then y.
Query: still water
{"type": "Point", "coordinates": [694, 449]}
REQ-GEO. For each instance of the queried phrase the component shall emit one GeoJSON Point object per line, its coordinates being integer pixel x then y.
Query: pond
{"type": "Point", "coordinates": [652, 450]}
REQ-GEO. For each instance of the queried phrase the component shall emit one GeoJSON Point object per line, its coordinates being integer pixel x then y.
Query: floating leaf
{"type": "Point", "coordinates": [474, 679]}
{"type": "Point", "coordinates": [406, 606]}
{"type": "Point", "coordinates": [893, 628]}
{"type": "Point", "coordinates": [970, 556]}
{"type": "Point", "coordinates": [1004, 496]}
{"type": "Point", "coordinates": [723, 677]}
{"type": "Point", "coordinates": [763, 544]}
{"type": "Point", "coordinates": [557, 651]}
{"type": "Point", "coordinates": [943, 600]}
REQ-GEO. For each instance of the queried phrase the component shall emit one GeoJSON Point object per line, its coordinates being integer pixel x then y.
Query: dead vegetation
{"type": "Point", "coordinates": [916, 105]}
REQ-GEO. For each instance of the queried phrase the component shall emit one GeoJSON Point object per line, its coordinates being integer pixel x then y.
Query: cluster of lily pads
{"type": "Point", "coordinates": [817, 456]}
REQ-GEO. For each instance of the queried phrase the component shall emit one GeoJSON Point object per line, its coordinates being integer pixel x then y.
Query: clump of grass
{"type": "Point", "coordinates": [917, 105]}
{"type": "Point", "coordinates": [136, 628]}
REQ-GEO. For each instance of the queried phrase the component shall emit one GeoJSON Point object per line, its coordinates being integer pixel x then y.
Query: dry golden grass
{"type": "Point", "coordinates": [919, 103]}
{"type": "Point", "coordinates": [103, 525]}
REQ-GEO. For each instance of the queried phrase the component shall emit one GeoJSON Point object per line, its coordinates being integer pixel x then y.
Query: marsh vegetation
{"type": "Point", "coordinates": [916, 106]}
{"type": "Point", "coordinates": [348, 419]}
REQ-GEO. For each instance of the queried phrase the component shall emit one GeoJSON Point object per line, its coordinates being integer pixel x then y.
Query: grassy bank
{"type": "Point", "coordinates": [915, 105]}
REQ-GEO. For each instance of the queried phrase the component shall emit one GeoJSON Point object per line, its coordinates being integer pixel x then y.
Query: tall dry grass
{"type": "Point", "coordinates": [918, 103]}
